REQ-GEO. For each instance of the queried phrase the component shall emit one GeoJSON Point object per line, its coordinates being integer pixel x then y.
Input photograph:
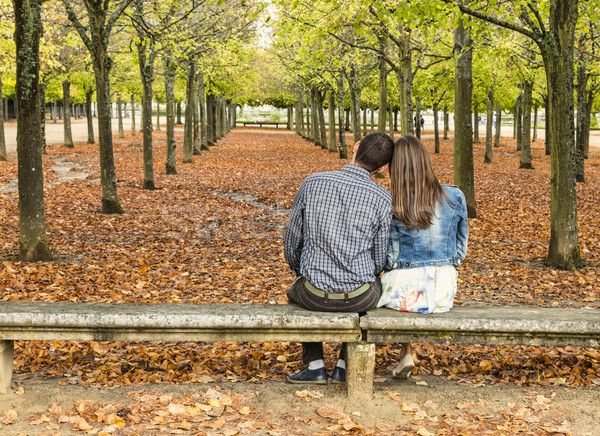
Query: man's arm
{"type": "Point", "coordinates": [294, 236]}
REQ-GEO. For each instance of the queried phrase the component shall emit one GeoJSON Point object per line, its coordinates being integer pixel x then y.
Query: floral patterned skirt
{"type": "Point", "coordinates": [426, 289]}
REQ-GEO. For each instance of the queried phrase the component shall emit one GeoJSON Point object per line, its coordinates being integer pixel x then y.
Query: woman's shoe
{"type": "Point", "coordinates": [404, 368]}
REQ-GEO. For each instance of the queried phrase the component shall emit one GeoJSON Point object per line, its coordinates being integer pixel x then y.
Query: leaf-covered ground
{"type": "Point", "coordinates": [214, 233]}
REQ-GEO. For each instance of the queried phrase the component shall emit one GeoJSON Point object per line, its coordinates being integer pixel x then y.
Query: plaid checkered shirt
{"type": "Point", "coordinates": [338, 231]}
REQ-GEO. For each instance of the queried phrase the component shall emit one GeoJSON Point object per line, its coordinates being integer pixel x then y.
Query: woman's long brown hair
{"type": "Point", "coordinates": [415, 188]}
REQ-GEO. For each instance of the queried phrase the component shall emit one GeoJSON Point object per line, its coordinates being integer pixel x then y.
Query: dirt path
{"type": "Point", "coordinates": [411, 407]}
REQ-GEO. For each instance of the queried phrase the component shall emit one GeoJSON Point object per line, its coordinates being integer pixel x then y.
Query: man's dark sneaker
{"type": "Point", "coordinates": [338, 375]}
{"type": "Point", "coordinates": [316, 376]}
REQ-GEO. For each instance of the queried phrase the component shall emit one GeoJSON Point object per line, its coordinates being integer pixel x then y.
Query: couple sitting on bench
{"type": "Point", "coordinates": [345, 229]}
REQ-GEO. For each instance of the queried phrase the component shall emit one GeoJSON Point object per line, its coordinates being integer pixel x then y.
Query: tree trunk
{"type": "Point", "coordinates": [476, 125]}
{"type": "Point", "coordinates": [526, 157]}
{"type": "Point", "coordinates": [463, 129]}
{"type": "Point", "coordinates": [391, 124]}
{"type": "Point", "coordinates": [321, 113]}
{"type": "Point", "coordinates": [211, 118]}
{"type": "Point", "coordinates": [88, 115]}
{"type": "Point", "coordinates": [120, 116]}
{"type": "Point", "coordinates": [355, 92]}
{"type": "Point", "coordinates": [196, 113]}
{"type": "Point", "coordinates": [365, 125]}
{"type": "Point", "coordinates": [436, 127]}
{"type": "Point", "coordinates": [547, 131]}
{"type": "Point", "coordinates": [102, 66]}
{"type": "Point", "coordinates": [54, 111]}
{"type": "Point", "coordinates": [535, 122]}
{"type": "Point", "coordinates": [179, 113]}
{"type": "Point", "coordinates": [146, 56]}
{"type": "Point", "coordinates": [381, 124]}
{"type": "Point", "coordinates": [489, 127]}
{"type": "Point", "coordinates": [202, 107]}
{"type": "Point", "coordinates": [418, 117]}
{"type": "Point", "coordinates": [347, 126]}
{"type": "Point", "coordinates": [43, 117]}
{"type": "Point", "coordinates": [588, 119]}
{"type": "Point", "coordinates": [498, 125]}
{"type": "Point", "coordinates": [132, 113]}
{"type": "Point", "coordinates": [308, 133]}
{"type": "Point", "coordinates": [315, 131]}
{"type": "Point", "coordinates": [68, 136]}
{"type": "Point", "coordinates": [581, 132]}
{"type": "Point", "coordinates": [33, 242]}
{"type": "Point", "coordinates": [3, 154]}
{"type": "Point", "coordinates": [519, 122]}
{"type": "Point", "coordinates": [341, 94]}
{"type": "Point", "coordinates": [188, 131]}
{"type": "Point", "coordinates": [446, 121]}
{"type": "Point", "coordinates": [157, 114]}
{"type": "Point", "coordinates": [405, 81]}
{"type": "Point", "coordinates": [332, 145]}
{"type": "Point", "coordinates": [558, 52]}
{"type": "Point", "coordinates": [170, 161]}
{"type": "Point", "coordinates": [289, 117]}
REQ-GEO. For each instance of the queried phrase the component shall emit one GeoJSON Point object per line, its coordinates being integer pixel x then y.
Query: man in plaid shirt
{"type": "Point", "coordinates": [336, 243]}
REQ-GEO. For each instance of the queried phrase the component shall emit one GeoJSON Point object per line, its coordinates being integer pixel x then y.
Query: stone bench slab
{"type": "Point", "coordinates": [174, 322]}
{"type": "Point", "coordinates": [519, 325]}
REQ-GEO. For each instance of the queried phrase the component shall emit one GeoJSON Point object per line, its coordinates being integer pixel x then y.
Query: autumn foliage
{"type": "Point", "coordinates": [214, 233]}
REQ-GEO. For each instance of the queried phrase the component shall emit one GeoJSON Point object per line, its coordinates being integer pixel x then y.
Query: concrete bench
{"type": "Point", "coordinates": [179, 322]}
{"type": "Point", "coordinates": [488, 325]}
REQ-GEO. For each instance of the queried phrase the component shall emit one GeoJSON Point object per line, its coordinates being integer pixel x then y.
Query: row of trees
{"type": "Point", "coordinates": [463, 56]}
{"type": "Point", "coordinates": [457, 56]}
{"type": "Point", "coordinates": [198, 42]}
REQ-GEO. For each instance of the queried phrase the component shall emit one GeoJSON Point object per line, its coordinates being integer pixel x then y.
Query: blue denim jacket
{"type": "Point", "coordinates": [442, 243]}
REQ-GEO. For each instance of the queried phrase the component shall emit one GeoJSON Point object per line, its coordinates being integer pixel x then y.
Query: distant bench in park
{"type": "Point", "coordinates": [261, 123]}
{"type": "Point", "coordinates": [485, 325]}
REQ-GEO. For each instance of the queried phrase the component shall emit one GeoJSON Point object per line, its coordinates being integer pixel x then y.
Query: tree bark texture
{"type": "Point", "coordinates": [381, 124]}
{"type": "Point", "coordinates": [88, 115]}
{"type": "Point", "coordinates": [463, 127]}
{"type": "Point", "coordinates": [365, 125]}
{"type": "Point", "coordinates": [68, 136]}
{"type": "Point", "coordinates": [489, 127]}
{"type": "Point", "coordinates": [43, 117]}
{"type": "Point", "coordinates": [436, 127]}
{"type": "Point", "coordinates": [557, 49]}
{"type": "Point", "coordinates": [33, 242]}
{"type": "Point", "coordinates": [332, 144]}
{"type": "Point", "coordinates": [120, 116]}
{"type": "Point", "coordinates": [519, 122]}
{"type": "Point", "coordinates": [582, 131]}
{"type": "Point", "coordinates": [202, 110]}
{"type": "Point", "coordinates": [340, 102]}
{"type": "Point", "coordinates": [321, 114]}
{"type": "Point", "coordinates": [535, 122]}
{"type": "Point", "coordinates": [188, 131]}
{"type": "Point", "coordinates": [498, 125]}
{"type": "Point", "coordinates": [157, 114]}
{"type": "Point", "coordinates": [170, 161]}
{"type": "Point", "coordinates": [196, 129]}
{"type": "Point", "coordinates": [146, 57]}
{"type": "Point", "coordinates": [355, 92]}
{"type": "Point", "coordinates": [526, 158]}
{"type": "Point", "coordinates": [476, 125]}
{"type": "Point", "coordinates": [3, 154]}
{"type": "Point", "coordinates": [132, 113]}
{"type": "Point", "coordinates": [446, 121]}
{"type": "Point", "coordinates": [418, 117]}
{"type": "Point", "coordinates": [547, 131]}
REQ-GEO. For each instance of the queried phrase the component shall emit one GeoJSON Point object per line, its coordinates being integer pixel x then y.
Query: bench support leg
{"type": "Point", "coordinates": [360, 366]}
{"type": "Point", "coordinates": [7, 350]}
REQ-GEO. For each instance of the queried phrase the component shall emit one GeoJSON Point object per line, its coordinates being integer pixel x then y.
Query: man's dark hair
{"type": "Point", "coordinates": [374, 151]}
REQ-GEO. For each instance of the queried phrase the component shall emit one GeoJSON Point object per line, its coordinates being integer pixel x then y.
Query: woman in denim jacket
{"type": "Point", "coordinates": [428, 239]}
